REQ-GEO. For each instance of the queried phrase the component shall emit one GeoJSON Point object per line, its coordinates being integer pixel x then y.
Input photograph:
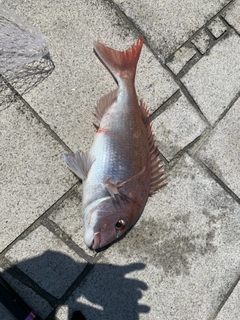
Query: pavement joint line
{"type": "Point", "coordinates": [199, 55]}
{"type": "Point", "coordinates": [190, 44]}
{"type": "Point", "coordinates": [190, 98]}
{"type": "Point", "coordinates": [76, 283]}
{"type": "Point", "coordinates": [38, 117]}
{"type": "Point", "coordinates": [64, 237]}
{"type": "Point", "coordinates": [217, 179]}
{"type": "Point", "coordinates": [174, 97]}
{"type": "Point", "coordinates": [228, 25]}
{"type": "Point", "coordinates": [57, 203]}
{"type": "Point", "coordinates": [230, 105]}
{"type": "Point", "coordinates": [195, 144]}
{"type": "Point", "coordinates": [211, 36]}
{"type": "Point", "coordinates": [206, 24]}
{"type": "Point", "coordinates": [189, 65]}
{"type": "Point", "coordinates": [15, 93]}
{"type": "Point", "coordinates": [194, 47]}
{"type": "Point", "coordinates": [163, 63]}
{"type": "Point", "coordinates": [19, 275]}
{"type": "Point", "coordinates": [199, 141]}
{"type": "Point", "coordinates": [225, 298]}
{"type": "Point", "coordinates": [136, 30]}
{"type": "Point", "coordinates": [38, 221]}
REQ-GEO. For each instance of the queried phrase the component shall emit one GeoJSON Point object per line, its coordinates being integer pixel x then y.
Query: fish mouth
{"type": "Point", "coordinates": [96, 241]}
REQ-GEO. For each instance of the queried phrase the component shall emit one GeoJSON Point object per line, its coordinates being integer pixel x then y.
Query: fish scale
{"type": "Point", "coordinates": [122, 167]}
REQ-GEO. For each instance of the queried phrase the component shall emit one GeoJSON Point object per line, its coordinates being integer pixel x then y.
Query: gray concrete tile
{"type": "Point", "coordinates": [180, 58]}
{"type": "Point", "coordinates": [79, 80]}
{"type": "Point", "coordinates": [221, 151]}
{"type": "Point", "coordinates": [33, 174]}
{"type": "Point", "coordinates": [232, 15]}
{"type": "Point", "coordinates": [217, 27]}
{"type": "Point", "coordinates": [68, 215]}
{"type": "Point", "coordinates": [214, 80]}
{"type": "Point", "coordinates": [178, 260]}
{"type": "Point", "coordinates": [202, 41]}
{"type": "Point", "coordinates": [176, 127]}
{"type": "Point", "coordinates": [231, 309]}
{"type": "Point", "coordinates": [168, 24]}
{"type": "Point", "coordinates": [33, 300]}
{"type": "Point", "coordinates": [47, 260]}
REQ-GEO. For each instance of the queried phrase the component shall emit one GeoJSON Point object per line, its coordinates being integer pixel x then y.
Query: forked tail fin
{"type": "Point", "coordinates": [121, 64]}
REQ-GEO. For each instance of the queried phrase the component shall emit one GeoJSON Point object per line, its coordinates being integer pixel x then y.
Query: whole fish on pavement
{"type": "Point", "coordinates": [122, 167]}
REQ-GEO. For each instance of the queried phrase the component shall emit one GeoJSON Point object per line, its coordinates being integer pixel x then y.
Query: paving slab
{"type": "Point", "coordinates": [79, 80]}
{"type": "Point", "coordinates": [202, 41]}
{"type": "Point", "coordinates": [232, 15]}
{"type": "Point", "coordinates": [34, 301]}
{"type": "Point", "coordinates": [47, 260]}
{"type": "Point", "coordinates": [32, 171]}
{"type": "Point", "coordinates": [68, 216]}
{"type": "Point", "coordinates": [214, 80]}
{"type": "Point", "coordinates": [176, 127]}
{"type": "Point", "coordinates": [231, 309]}
{"type": "Point", "coordinates": [217, 27]}
{"type": "Point", "coordinates": [180, 58]}
{"type": "Point", "coordinates": [168, 24]}
{"type": "Point", "coordinates": [183, 254]}
{"type": "Point", "coordinates": [221, 151]}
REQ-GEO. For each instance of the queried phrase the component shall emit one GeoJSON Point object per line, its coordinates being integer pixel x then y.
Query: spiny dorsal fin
{"type": "Point", "coordinates": [105, 103]}
{"type": "Point", "coordinates": [79, 162]}
{"type": "Point", "coordinates": [157, 173]}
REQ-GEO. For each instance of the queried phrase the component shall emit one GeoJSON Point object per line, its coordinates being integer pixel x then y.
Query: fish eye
{"type": "Point", "coordinates": [120, 225]}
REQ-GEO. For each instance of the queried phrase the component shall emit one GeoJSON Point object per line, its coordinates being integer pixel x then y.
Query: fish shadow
{"type": "Point", "coordinates": [75, 290]}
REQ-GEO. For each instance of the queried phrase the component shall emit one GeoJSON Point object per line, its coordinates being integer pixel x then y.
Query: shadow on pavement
{"type": "Point", "coordinates": [103, 291]}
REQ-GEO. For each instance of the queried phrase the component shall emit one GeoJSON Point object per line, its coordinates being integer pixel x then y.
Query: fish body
{"type": "Point", "coordinates": [122, 167]}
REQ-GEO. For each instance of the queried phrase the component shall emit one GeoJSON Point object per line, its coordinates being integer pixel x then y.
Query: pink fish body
{"type": "Point", "coordinates": [122, 167]}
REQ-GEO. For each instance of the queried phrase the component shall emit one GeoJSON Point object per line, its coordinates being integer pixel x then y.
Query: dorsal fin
{"type": "Point", "coordinates": [105, 103]}
{"type": "Point", "coordinates": [157, 173]}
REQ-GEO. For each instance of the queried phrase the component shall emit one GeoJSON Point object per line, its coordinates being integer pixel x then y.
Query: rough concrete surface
{"type": "Point", "coordinates": [181, 260]}
{"type": "Point", "coordinates": [231, 309]}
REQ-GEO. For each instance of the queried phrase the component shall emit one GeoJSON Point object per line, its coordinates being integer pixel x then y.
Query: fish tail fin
{"type": "Point", "coordinates": [121, 64]}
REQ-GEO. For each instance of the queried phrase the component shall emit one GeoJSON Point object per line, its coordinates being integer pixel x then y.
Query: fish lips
{"type": "Point", "coordinates": [93, 240]}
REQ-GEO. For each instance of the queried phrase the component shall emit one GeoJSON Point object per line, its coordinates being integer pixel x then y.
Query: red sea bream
{"type": "Point", "coordinates": [122, 167]}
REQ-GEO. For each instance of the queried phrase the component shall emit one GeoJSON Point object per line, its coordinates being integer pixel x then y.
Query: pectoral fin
{"type": "Point", "coordinates": [113, 187]}
{"type": "Point", "coordinates": [79, 162]}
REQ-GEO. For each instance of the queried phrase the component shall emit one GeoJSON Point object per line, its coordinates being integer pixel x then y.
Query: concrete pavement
{"type": "Point", "coordinates": [182, 259]}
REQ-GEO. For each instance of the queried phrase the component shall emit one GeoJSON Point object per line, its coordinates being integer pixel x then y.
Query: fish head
{"type": "Point", "coordinates": [105, 222]}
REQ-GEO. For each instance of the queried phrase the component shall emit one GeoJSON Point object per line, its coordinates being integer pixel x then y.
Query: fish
{"type": "Point", "coordinates": [122, 168]}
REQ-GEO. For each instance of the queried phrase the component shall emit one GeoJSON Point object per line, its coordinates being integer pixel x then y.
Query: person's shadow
{"type": "Point", "coordinates": [103, 291]}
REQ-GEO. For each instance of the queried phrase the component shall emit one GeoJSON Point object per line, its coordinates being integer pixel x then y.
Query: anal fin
{"type": "Point", "coordinates": [79, 162]}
